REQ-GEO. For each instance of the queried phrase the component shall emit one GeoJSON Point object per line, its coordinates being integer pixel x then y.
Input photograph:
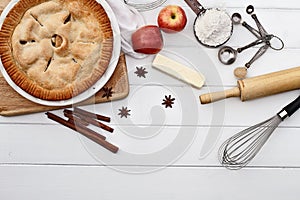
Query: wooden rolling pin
{"type": "Point", "coordinates": [259, 86]}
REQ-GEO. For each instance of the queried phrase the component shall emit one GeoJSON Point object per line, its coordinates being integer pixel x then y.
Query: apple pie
{"type": "Point", "coordinates": [56, 49]}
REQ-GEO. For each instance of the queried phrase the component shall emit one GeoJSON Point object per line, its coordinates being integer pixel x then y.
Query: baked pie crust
{"type": "Point", "coordinates": [56, 49]}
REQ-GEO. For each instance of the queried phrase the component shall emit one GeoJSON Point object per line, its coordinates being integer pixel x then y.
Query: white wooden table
{"type": "Point", "coordinates": [160, 148]}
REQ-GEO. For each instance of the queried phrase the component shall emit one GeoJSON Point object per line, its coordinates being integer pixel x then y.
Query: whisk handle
{"type": "Point", "coordinates": [292, 107]}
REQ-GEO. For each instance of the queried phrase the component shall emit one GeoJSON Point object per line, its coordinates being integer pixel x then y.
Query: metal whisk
{"type": "Point", "coordinates": [237, 151]}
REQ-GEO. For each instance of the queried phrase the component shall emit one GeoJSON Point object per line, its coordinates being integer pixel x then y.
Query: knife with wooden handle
{"type": "Point", "coordinates": [179, 71]}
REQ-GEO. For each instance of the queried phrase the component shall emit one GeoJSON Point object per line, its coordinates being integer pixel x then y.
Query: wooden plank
{"type": "Point", "coordinates": [277, 4]}
{"type": "Point", "coordinates": [77, 183]}
{"type": "Point", "coordinates": [282, 27]}
{"type": "Point", "coordinates": [12, 104]}
{"type": "Point", "coordinates": [39, 158]}
{"type": "Point", "coordinates": [187, 110]}
{"type": "Point", "coordinates": [57, 145]}
{"type": "Point", "coordinates": [217, 74]}
{"type": "Point", "coordinates": [3, 4]}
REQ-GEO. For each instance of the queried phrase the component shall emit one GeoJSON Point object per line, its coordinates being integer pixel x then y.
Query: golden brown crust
{"type": "Point", "coordinates": [56, 49]}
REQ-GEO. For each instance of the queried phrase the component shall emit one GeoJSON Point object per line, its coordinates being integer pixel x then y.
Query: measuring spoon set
{"type": "Point", "coordinates": [227, 55]}
{"type": "Point", "coordinates": [218, 35]}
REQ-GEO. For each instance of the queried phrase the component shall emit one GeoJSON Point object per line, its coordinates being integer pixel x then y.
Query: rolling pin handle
{"type": "Point", "coordinates": [216, 96]}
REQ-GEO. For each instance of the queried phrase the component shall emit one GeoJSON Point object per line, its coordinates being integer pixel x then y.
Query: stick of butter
{"type": "Point", "coordinates": [178, 71]}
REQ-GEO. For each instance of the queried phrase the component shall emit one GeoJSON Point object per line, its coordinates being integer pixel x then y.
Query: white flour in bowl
{"type": "Point", "coordinates": [213, 27]}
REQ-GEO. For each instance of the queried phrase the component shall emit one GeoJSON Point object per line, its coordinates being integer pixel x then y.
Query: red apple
{"type": "Point", "coordinates": [147, 39]}
{"type": "Point", "coordinates": [172, 19]}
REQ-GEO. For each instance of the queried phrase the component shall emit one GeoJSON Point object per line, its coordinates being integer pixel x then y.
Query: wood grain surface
{"type": "Point", "coordinates": [12, 104]}
{"type": "Point", "coordinates": [40, 158]}
{"type": "Point", "coordinates": [259, 86]}
{"type": "Point", "coordinates": [3, 3]}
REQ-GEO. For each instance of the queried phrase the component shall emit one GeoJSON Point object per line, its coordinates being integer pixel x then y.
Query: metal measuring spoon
{"type": "Point", "coordinates": [227, 55]}
{"type": "Point", "coordinates": [263, 32]}
{"type": "Point", "coordinates": [237, 19]}
{"type": "Point", "coordinates": [212, 27]}
{"type": "Point", "coordinates": [232, 53]}
{"type": "Point", "coordinates": [241, 72]}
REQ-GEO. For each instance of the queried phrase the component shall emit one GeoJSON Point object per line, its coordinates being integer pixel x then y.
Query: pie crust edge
{"type": "Point", "coordinates": [29, 86]}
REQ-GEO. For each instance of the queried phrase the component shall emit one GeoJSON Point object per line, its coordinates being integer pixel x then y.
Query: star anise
{"type": "Point", "coordinates": [141, 72]}
{"type": "Point", "coordinates": [107, 92]}
{"type": "Point", "coordinates": [124, 112]}
{"type": "Point", "coordinates": [168, 101]}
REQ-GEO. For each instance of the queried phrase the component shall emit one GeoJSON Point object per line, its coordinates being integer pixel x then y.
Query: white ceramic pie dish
{"type": "Point", "coordinates": [94, 88]}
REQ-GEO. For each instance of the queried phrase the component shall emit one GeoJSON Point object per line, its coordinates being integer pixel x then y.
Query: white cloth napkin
{"type": "Point", "coordinates": [129, 20]}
